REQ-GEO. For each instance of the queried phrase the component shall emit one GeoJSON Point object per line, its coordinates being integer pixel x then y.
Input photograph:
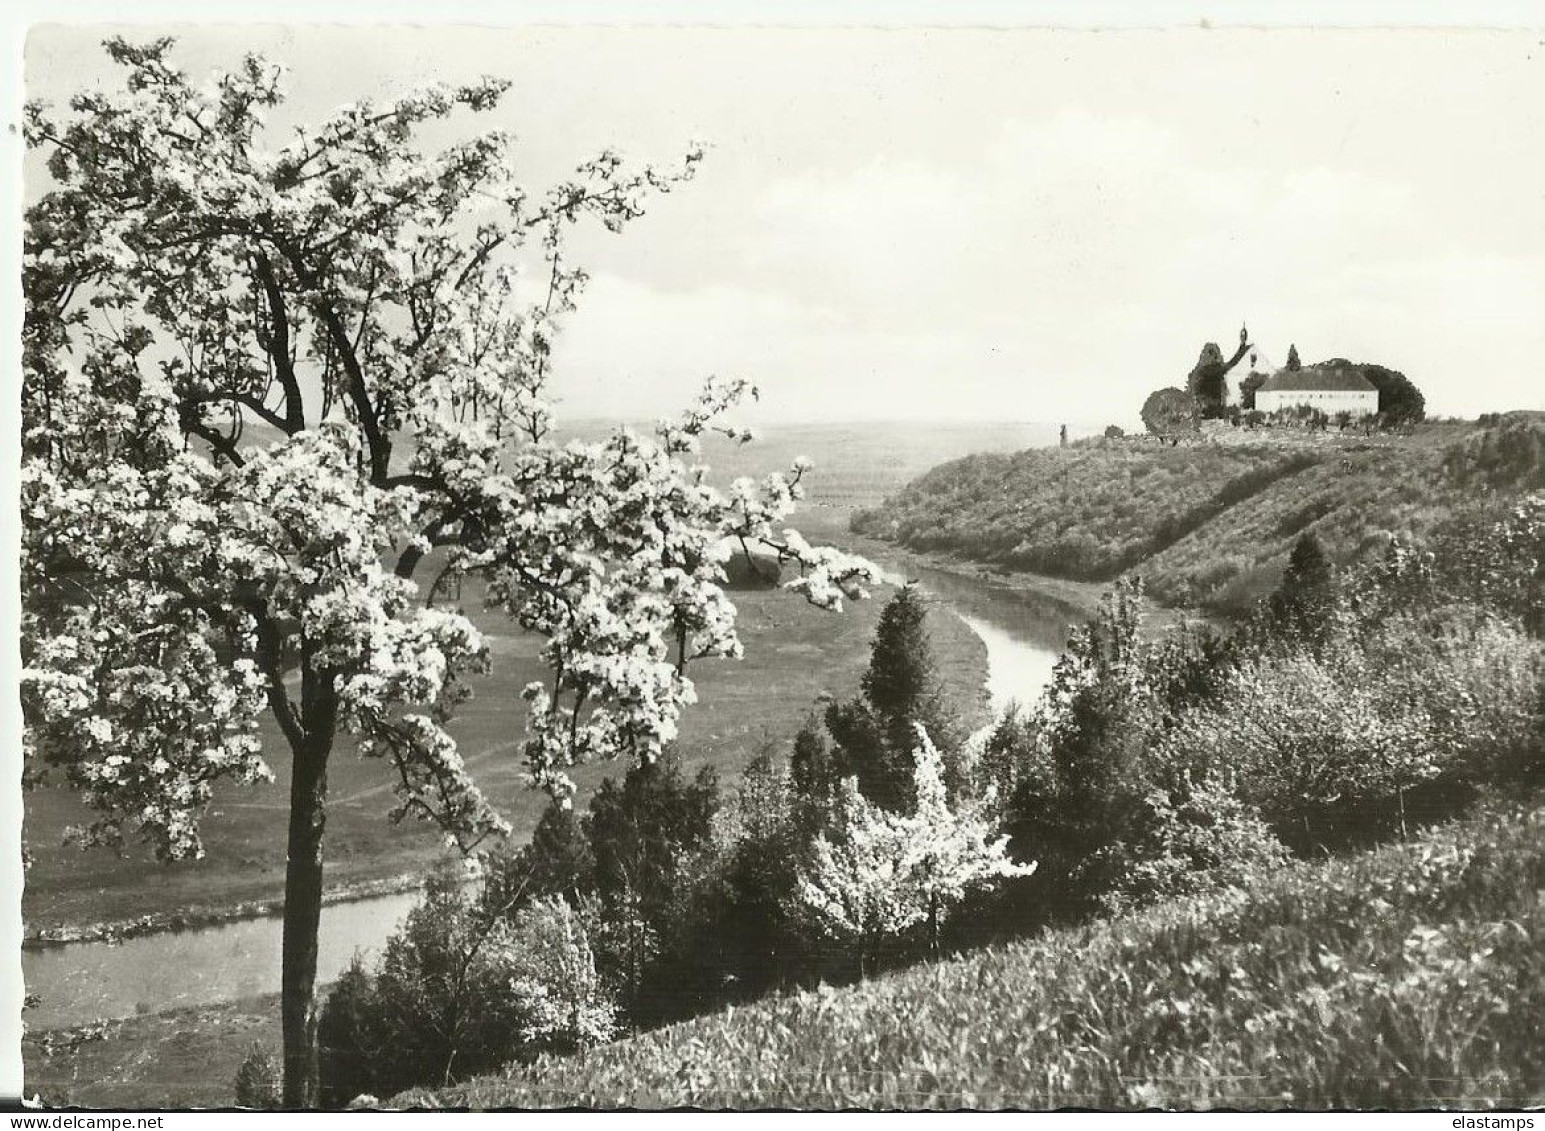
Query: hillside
{"type": "Point", "coordinates": [1210, 524]}
{"type": "Point", "coordinates": [1412, 976]}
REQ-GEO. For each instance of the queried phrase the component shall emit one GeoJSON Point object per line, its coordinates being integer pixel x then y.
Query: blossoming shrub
{"type": "Point", "coordinates": [876, 875]}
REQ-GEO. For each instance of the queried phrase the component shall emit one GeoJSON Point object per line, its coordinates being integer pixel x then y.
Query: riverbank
{"type": "Point", "coordinates": [200, 917]}
{"type": "Point", "coordinates": [184, 1058]}
{"type": "Point", "coordinates": [1081, 599]}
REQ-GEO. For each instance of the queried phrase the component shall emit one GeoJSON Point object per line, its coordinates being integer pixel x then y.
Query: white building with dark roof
{"type": "Point", "coordinates": [1329, 389]}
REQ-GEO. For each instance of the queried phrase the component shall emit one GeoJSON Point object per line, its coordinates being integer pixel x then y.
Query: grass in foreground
{"type": "Point", "coordinates": [1412, 976]}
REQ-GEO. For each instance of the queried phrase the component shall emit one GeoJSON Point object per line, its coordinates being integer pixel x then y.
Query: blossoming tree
{"type": "Point", "coordinates": [271, 381]}
{"type": "Point", "coordinates": [877, 874]}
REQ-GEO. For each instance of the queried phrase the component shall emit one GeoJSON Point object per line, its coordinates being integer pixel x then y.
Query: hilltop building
{"type": "Point", "coordinates": [1331, 389]}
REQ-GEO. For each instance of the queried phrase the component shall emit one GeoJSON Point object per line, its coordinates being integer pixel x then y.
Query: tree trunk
{"type": "Point", "coordinates": [303, 891]}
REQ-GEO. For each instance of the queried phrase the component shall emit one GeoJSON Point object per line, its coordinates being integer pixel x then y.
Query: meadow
{"type": "Point", "coordinates": [1409, 976]}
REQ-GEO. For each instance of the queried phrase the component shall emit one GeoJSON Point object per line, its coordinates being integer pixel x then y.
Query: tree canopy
{"type": "Point", "coordinates": [1400, 401]}
{"type": "Point", "coordinates": [1170, 414]}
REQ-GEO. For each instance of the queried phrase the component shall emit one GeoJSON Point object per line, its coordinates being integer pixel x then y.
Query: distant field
{"type": "Point", "coordinates": [793, 653]}
{"type": "Point", "coordinates": [1408, 977]}
{"type": "Point", "coordinates": [855, 464]}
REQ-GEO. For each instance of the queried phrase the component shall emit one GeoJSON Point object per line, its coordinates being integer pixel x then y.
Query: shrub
{"type": "Point", "coordinates": [746, 941]}
{"type": "Point", "coordinates": [878, 875]}
{"type": "Point", "coordinates": [1496, 558]}
{"type": "Point", "coordinates": [1507, 454]}
{"type": "Point", "coordinates": [1114, 432]}
{"type": "Point", "coordinates": [752, 571]}
{"type": "Point", "coordinates": [650, 837]}
{"type": "Point", "coordinates": [350, 1047]}
{"type": "Point", "coordinates": [1316, 747]}
{"type": "Point", "coordinates": [258, 1080]}
{"type": "Point", "coordinates": [1079, 787]}
{"type": "Point", "coordinates": [459, 991]}
{"type": "Point", "coordinates": [1191, 835]}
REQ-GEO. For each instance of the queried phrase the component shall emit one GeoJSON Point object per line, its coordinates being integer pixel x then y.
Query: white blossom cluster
{"type": "Point", "coordinates": [879, 874]}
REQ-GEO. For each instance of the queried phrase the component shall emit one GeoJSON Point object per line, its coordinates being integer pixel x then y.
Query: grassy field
{"type": "Point", "coordinates": [182, 1059]}
{"type": "Point", "coordinates": [1208, 525]}
{"type": "Point", "coordinates": [1408, 977]}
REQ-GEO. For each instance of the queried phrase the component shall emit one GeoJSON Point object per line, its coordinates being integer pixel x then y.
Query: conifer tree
{"type": "Point", "coordinates": [875, 734]}
{"type": "Point", "coordinates": [1302, 604]}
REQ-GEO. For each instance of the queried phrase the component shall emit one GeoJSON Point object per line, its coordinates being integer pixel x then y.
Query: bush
{"type": "Point", "coordinates": [258, 1080]}
{"type": "Point", "coordinates": [1171, 414]}
{"type": "Point", "coordinates": [752, 571]}
{"type": "Point", "coordinates": [459, 991]}
{"type": "Point", "coordinates": [349, 1046]}
{"type": "Point", "coordinates": [1079, 784]}
{"type": "Point", "coordinates": [877, 876]}
{"type": "Point", "coordinates": [650, 838]}
{"type": "Point", "coordinates": [1114, 432]}
{"type": "Point", "coordinates": [1191, 835]}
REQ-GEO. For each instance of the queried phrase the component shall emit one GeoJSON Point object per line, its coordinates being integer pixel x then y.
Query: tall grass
{"type": "Point", "coordinates": [1410, 976]}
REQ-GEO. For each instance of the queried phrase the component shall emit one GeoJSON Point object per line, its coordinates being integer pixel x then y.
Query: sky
{"type": "Point", "coordinates": [959, 224]}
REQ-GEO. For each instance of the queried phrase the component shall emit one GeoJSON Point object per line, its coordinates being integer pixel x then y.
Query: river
{"type": "Point", "coordinates": [81, 982]}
